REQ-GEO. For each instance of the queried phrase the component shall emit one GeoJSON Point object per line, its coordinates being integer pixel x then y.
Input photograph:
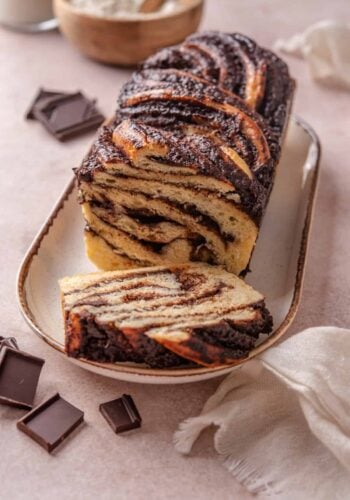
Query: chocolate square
{"type": "Point", "coordinates": [42, 95]}
{"type": "Point", "coordinates": [50, 423]}
{"type": "Point", "coordinates": [68, 115]}
{"type": "Point", "coordinates": [121, 414]}
{"type": "Point", "coordinates": [19, 377]}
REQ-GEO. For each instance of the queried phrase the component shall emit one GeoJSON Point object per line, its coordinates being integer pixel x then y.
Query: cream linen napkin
{"type": "Point", "coordinates": [326, 48]}
{"type": "Point", "coordinates": [283, 420]}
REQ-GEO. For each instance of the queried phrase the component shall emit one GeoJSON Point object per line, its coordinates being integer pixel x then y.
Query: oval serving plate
{"type": "Point", "coordinates": [277, 266]}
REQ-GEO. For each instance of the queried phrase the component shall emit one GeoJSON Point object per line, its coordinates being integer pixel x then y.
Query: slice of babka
{"type": "Point", "coordinates": [184, 170]}
{"type": "Point", "coordinates": [163, 316]}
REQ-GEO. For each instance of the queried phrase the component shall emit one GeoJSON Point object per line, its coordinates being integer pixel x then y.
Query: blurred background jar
{"type": "Point", "coordinates": [27, 15]}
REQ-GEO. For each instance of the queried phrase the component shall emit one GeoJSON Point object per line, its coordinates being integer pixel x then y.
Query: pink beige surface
{"type": "Point", "coordinates": [34, 169]}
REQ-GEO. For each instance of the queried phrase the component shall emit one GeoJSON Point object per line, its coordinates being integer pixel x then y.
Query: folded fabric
{"type": "Point", "coordinates": [325, 46]}
{"type": "Point", "coordinates": [284, 419]}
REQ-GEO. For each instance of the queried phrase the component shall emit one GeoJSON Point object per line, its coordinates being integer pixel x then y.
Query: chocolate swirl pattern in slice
{"type": "Point", "coordinates": [163, 316]}
{"type": "Point", "coordinates": [185, 169]}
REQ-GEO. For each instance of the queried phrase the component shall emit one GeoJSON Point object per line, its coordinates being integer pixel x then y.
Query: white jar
{"type": "Point", "coordinates": [27, 15]}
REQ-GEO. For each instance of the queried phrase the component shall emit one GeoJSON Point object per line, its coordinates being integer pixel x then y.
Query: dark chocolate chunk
{"type": "Point", "coordinates": [121, 414]}
{"type": "Point", "coordinates": [42, 95]}
{"type": "Point", "coordinates": [19, 376]}
{"type": "Point", "coordinates": [8, 342]}
{"type": "Point", "coordinates": [50, 423]}
{"type": "Point", "coordinates": [68, 115]}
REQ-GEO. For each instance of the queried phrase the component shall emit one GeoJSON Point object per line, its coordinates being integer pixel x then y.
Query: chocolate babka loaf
{"type": "Point", "coordinates": [163, 316]}
{"type": "Point", "coordinates": [184, 170]}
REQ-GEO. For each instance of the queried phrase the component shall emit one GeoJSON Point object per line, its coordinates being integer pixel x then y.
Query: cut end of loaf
{"type": "Point", "coordinates": [150, 211]}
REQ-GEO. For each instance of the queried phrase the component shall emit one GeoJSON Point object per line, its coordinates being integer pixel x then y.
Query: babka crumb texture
{"type": "Point", "coordinates": [163, 316]}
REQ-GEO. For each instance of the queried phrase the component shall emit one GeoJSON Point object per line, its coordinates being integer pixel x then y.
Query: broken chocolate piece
{"type": "Point", "coordinates": [8, 342]}
{"type": "Point", "coordinates": [50, 423]}
{"type": "Point", "coordinates": [19, 376]}
{"type": "Point", "coordinates": [42, 95]}
{"type": "Point", "coordinates": [121, 414]}
{"type": "Point", "coordinates": [68, 115]}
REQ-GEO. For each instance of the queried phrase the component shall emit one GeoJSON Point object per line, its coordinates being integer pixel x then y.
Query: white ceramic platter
{"type": "Point", "coordinates": [277, 265]}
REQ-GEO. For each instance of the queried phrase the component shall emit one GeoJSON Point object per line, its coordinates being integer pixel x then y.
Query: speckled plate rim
{"type": "Point", "coordinates": [199, 373]}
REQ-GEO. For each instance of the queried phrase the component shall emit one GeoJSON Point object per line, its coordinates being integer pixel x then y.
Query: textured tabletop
{"type": "Point", "coordinates": [34, 170]}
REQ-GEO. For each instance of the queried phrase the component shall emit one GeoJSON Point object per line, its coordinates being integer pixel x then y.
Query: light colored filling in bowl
{"type": "Point", "coordinates": [122, 8]}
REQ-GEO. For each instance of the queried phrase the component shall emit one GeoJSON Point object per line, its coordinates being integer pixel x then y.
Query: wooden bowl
{"type": "Point", "coordinates": [126, 40]}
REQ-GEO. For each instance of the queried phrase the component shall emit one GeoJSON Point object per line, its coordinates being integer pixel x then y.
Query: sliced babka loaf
{"type": "Point", "coordinates": [163, 316]}
{"type": "Point", "coordinates": [185, 169]}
